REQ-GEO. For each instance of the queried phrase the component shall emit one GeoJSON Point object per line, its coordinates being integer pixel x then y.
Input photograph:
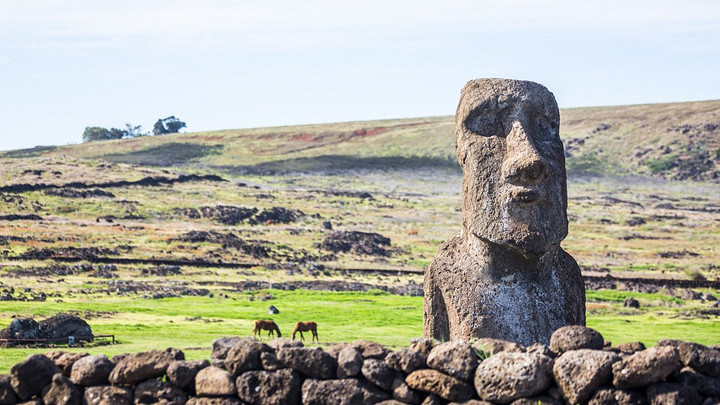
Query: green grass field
{"type": "Point", "coordinates": [142, 324]}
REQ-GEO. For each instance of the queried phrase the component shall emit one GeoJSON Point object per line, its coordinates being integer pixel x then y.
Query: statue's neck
{"type": "Point", "coordinates": [503, 260]}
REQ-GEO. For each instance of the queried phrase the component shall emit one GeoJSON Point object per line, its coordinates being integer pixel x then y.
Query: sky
{"type": "Point", "coordinates": [66, 65]}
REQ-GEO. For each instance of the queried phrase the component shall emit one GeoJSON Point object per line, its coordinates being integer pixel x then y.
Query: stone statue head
{"type": "Point", "coordinates": [514, 183]}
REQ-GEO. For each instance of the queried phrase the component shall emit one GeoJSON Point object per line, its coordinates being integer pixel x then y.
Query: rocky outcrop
{"type": "Point", "coordinates": [364, 372]}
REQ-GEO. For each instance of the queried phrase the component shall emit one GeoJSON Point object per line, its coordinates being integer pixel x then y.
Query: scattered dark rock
{"type": "Point", "coordinates": [136, 367]}
{"type": "Point", "coordinates": [21, 217]}
{"type": "Point", "coordinates": [635, 221]}
{"type": "Point", "coordinates": [345, 391]}
{"type": "Point", "coordinates": [377, 372]}
{"type": "Point", "coordinates": [645, 367]}
{"type": "Point", "coordinates": [631, 347]}
{"type": "Point", "coordinates": [361, 243]}
{"type": "Point", "coordinates": [312, 362]}
{"type": "Point", "coordinates": [492, 346]}
{"type": "Point", "coordinates": [672, 394]}
{"type": "Point", "coordinates": [245, 356]}
{"type": "Point", "coordinates": [61, 392]}
{"type": "Point", "coordinates": [612, 396]}
{"type": "Point", "coordinates": [7, 394]}
{"type": "Point", "coordinates": [407, 360]}
{"type": "Point", "coordinates": [221, 346]}
{"type": "Point", "coordinates": [370, 350]}
{"type": "Point", "coordinates": [455, 358]}
{"type": "Point", "coordinates": [579, 373]}
{"type": "Point", "coordinates": [631, 302]}
{"type": "Point", "coordinates": [422, 345]}
{"type": "Point", "coordinates": [74, 193]}
{"type": "Point", "coordinates": [277, 215]}
{"type": "Point", "coordinates": [677, 255]}
{"type": "Point", "coordinates": [107, 395]}
{"type": "Point", "coordinates": [350, 362]}
{"type": "Point", "coordinates": [228, 240]}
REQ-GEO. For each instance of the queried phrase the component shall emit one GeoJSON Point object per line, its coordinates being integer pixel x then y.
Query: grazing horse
{"type": "Point", "coordinates": [304, 327]}
{"type": "Point", "coordinates": [270, 326]}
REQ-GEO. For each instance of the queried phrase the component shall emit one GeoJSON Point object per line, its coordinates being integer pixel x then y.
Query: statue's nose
{"type": "Point", "coordinates": [524, 164]}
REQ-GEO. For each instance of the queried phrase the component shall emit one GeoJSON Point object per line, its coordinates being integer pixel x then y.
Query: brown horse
{"type": "Point", "coordinates": [304, 327]}
{"type": "Point", "coordinates": [270, 326]}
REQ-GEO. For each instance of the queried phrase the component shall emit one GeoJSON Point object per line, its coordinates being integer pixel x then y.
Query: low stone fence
{"type": "Point", "coordinates": [577, 367]}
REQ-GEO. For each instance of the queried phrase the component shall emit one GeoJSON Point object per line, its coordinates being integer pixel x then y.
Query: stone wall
{"type": "Point", "coordinates": [577, 367]}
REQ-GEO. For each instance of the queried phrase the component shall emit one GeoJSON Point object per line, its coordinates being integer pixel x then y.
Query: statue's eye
{"type": "Point", "coordinates": [485, 124]}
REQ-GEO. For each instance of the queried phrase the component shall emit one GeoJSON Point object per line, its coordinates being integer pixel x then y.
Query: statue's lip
{"type": "Point", "coordinates": [526, 196]}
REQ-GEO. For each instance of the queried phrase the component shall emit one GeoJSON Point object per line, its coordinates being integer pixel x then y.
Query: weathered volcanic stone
{"type": "Point", "coordinates": [182, 373]}
{"type": "Point", "coordinates": [312, 362]}
{"type": "Point", "coordinates": [402, 392]}
{"type": "Point", "coordinates": [456, 359]}
{"type": "Point", "coordinates": [434, 400]}
{"type": "Point", "coordinates": [66, 360]}
{"type": "Point", "coordinates": [61, 392]}
{"type": "Point", "coordinates": [214, 381]}
{"type": "Point", "coordinates": [508, 376]}
{"type": "Point", "coordinates": [214, 401]}
{"type": "Point", "coordinates": [700, 358]}
{"type": "Point", "coordinates": [159, 392]}
{"type": "Point", "coordinates": [350, 362]}
{"type": "Point", "coordinates": [270, 387]}
{"type": "Point", "coordinates": [612, 396]}
{"type": "Point", "coordinates": [31, 375]}
{"type": "Point", "coordinates": [245, 356]}
{"type": "Point", "coordinates": [91, 370]}
{"type": "Point", "coordinates": [406, 360]}
{"type": "Point", "coordinates": [377, 372]}
{"type": "Point", "coordinates": [442, 385]}
{"type": "Point", "coordinates": [631, 347]}
{"type": "Point", "coordinates": [136, 367]}
{"type": "Point", "coordinates": [706, 385]}
{"type": "Point", "coordinates": [348, 391]}
{"type": "Point", "coordinates": [575, 337]}
{"type": "Point", "coordinates": [505, 275]}
{"type": "Point", "coordinates": [370, 350]}
{"type": "Point", "coordinates": [220, 346]}
{"type": "Point", "coordinates": [541, 400]}
{"type": "Point", "coordinates": [279, 343]}
{"type": "Point", "coordinates": [672, 394]}
{"type": "Point", "coordinates": [494, 346]}
{"type": "Point", "coordinates": [539, 348]}
{"type": "Point", "coordinates": [579, 373]}
{"type": "Point", "coordinates": [108, 395]}
{"type": "Point", "coordinates": [7, 394]}
{"type": "Point", "coordinates": [269, 361]}
{"type": "Point", "coordinates": [422, 345]}
{"type": "Point", "coordinates": [645, 367]}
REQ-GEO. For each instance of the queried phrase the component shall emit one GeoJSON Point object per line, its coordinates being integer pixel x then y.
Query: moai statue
{"type": "Point", "coordinates": [505, 276]}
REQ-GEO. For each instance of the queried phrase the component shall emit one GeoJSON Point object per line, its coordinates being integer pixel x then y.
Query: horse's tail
{"type": "Point", "coordinates": [277, 329]}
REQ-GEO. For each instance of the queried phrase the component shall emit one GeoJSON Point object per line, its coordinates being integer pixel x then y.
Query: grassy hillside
{"type": "Point", "coordinates": [674, 140]}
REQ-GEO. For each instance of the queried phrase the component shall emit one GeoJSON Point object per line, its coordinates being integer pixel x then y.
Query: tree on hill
{"type": "Point", "coordinates": [169, 125]}
{"type": "Point", "coordinates": [101, 134]}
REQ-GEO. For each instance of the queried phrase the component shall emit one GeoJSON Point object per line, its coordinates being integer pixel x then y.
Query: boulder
{"type": "Point", "coordinates": [64, 325]}
{"type": "Point", "coordinates": [437, 383]}
{"type": "Point", "coordinates": [311, 362]}
{"type": "Point", "coordinates": [422, 345]}
{"type": "Point", "coordinates": [159, 392]}
{"type": "Point", "coordinates": [30, 376]}
{"type": "Point", "coordinates": [631, 302]}
{"type": "Point", "coordinates": [406, 360]}
{"type": "Point", "coordinates": [279, 343]}
{"type": "Point", "coordinates": [645, 367]}
{"type": "Point", "coordinates": [335, 349]}
{"type": "Point", "coordinates": [370, 350]}
{"type": "Point", "coordinates": [21, 328]}
{"type": "Point", "coordinates": [494, 346]}
{"type": "Point", "coordinates": [350, 362]}
{"type": "Point", "coordinates": [269, 362]}
{"type": "Point", "coordinates": [539, 348]}
{"type": "Point", "coordinates": [575, 337]}
{"type": "Point", "coordinates": [214, 401]}
{"type": "Point", "coordinates": [66, 361]}
{"type": "Point", "coordinates": [182, 373]}
{"type": "Point", "coordinates": [377, 372]}
{"type": "Point", "coordinates": [700, 358]}
{"type": "Point", "coordinates": [672, 394]}
{"type": "Point", "coordinates": [270, 387]}
{"type": "Point", "coordinates": [508, 376]}
{"type": "Point", "coordinates": [7, 394]}
{"type": "Point", "coordinates": [348, 391]}
{"type": "Point", "coordinates": [612, 396]}
{"type": "Point", "coordinates": [541, 400]}
{"type": "Point", "coordinates": [705, 385]}
{"type": "Point", "coordinates": [136, 367]}
{"type": "Point", "coordinates": [245, 356]}
{"type": "Point", "coordinates": [61, 392]}
{"type": "Point", "coordinates": [631, 347]}
{"type": "Point", "coordinates": [579, 373]}
{"type": "Point", "coordinates": [455, 358]}
{"type": "Point", "coordinates": [220, 346]}
{"type": "Point", "coordinates": [434, 400]}
{"type": "Point", "coordinates": [91, 370]}
{"type": "Point", "coordinates": [402, 392]}
{"type": "Point", "coordinates": [214, 381]}
{"type": "Point", "coordinates": [107, 395]}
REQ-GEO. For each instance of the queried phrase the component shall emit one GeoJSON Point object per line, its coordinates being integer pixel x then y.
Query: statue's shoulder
{"type": "Point", "coordinates": [448, 252]}
{"type": "Point", "coordinates": [566, 262]}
